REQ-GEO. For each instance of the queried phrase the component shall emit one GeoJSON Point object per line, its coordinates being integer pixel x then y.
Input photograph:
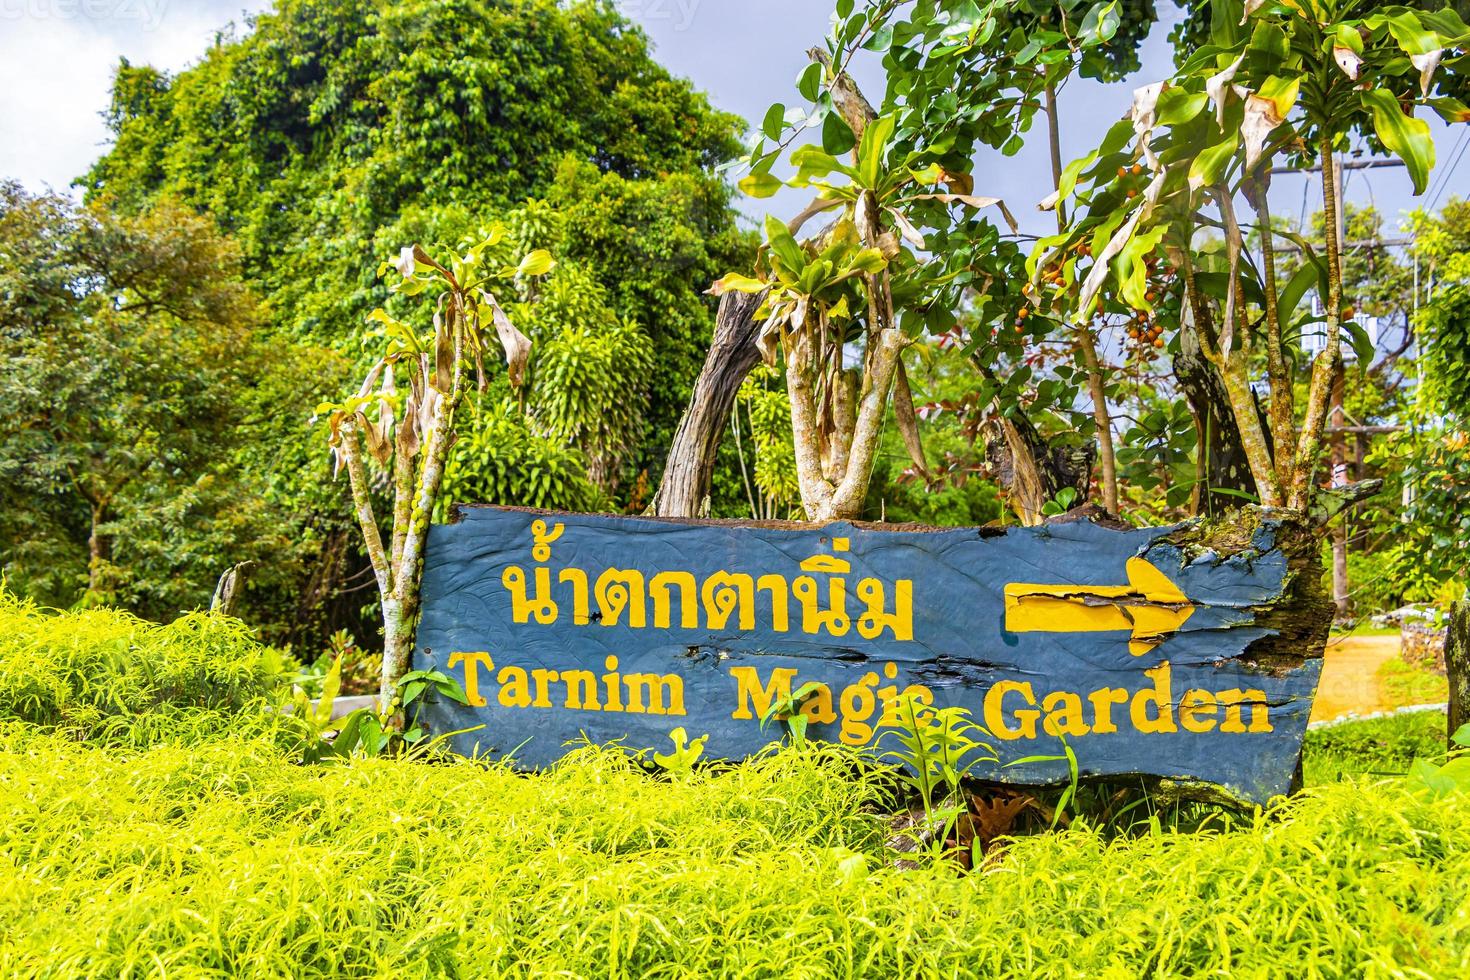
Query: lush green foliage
{"type": "Point", "coordinates": [328, 119]}
{"type": "Point", "coordinates": [89, 671]}
{"type": "Point", "coordinates": [500, 460]}
{"type": "Point", "coordinates": [213, 852]}
{"type": "Point", "coordinates": [137, 408]}
{"type": "Point", "coordinates": [1378, 747]}
{"type": "Point", "coordinates": [176, 837]}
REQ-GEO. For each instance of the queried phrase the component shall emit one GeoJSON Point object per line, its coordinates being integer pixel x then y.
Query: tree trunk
{"type": "Point", "coordinates": [1457, 666]}
{"type": "Point", "coordinates": [1225, 464]}
{"type": "Point", "coordinates": [99, 560]}
{"type": "Point", "coordinates": [1097, 388]}
{"type": "Point", "coordinates": [733, 354]}
{"type": "Point", "coordinates": [1340, 590]}
{"type": "Point", "coordinates": [231, 585]}
{"type": "Point", "coordinates": [1031, 470]}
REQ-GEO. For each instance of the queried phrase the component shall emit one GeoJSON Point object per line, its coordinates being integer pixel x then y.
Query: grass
{"type": "Point", "coordinates": [186, 842]}
{"type": "Point", "coordinates": [1406, 684]}
{"type": "Point", "coordinates": [1376, 747]}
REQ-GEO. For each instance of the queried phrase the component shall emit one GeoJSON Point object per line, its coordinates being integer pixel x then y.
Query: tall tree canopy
{"type": "Point", "coordinates": [132, 457]}
{"type": "Point", "coordinates": [329, 118]}
{"type": "Point", "coordinates": [329, 133]}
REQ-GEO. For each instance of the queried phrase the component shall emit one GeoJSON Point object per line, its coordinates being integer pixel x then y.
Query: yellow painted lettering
{"type": "Point", "coordinates": [1064, 714]}
{"type": "Point", "coordinates": [613, 683]}
{"type": "Point", "coordinates": [818, 708]}
{"type": "Point", "coordinates": [995, 711]}
{"type": "Point", "coordinates": [1197, 711]}
{"type": "Point", "coordinates": [544, 679]}
{"type": "Point", "coordinates": [1161, 697]}
{"type": "Point", "coordinates": [665, 694]}
{"type": "Point", "coordinates": [581, 690]}
{"type": "Point", "coordinates": [752, 700]}
{"type": "Point", "coordinates": [1102, 708]}
{"type": "Point", "coordinates": [515, 687]}
{"type": "Point", "coordinates": [1232, 701]}
{"type": "Point", "coordinates": [472, 664]}
{"type": "Point", "coordinates": [858, 704]}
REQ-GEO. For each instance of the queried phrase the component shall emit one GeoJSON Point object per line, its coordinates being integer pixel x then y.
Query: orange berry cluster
{"type": "Point", "coordinates": [1144, 328]}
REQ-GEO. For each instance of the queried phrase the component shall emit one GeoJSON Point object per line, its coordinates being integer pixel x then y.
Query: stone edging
{"type": "Point", "coordinates": [1412, 709]}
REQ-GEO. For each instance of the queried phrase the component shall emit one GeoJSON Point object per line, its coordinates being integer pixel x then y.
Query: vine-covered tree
{"type": "Point", "coordinates": [330, 131]}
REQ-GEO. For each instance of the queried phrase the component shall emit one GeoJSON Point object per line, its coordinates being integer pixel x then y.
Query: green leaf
{"type": "Point", "coordinates": [760, 185]}
{"type": "Point", "coordinates": [880, 40]}
{"type": "Point", "coordinates": [1361, 343]}
{"type": "Point", "coordinates": [448, 687]}
{"type": "Point", "coordinates": [734, 282]}
{"type": "Point", "coordinates": [1282, 92]}
{"type": "Point", "coordinates": [1411, 34]}
{"type": "Point", "coordinates": [813, 162]}
{"type": "Point", "coordinates": [1100, 24]}
{"type": "Point", "coordinates": [536, 263]}
{"type": "Point", "coordinates": [784, 246]}
{"type": "Point", "coordinates": [331, 685]}
{"type": "Point", "coordinates": [1450, 110]}
{"type": "Point", "coordinates": [869, 261]}
{"type": "Point", "coordinates": [1178, 106]}
{"type": "Point", "coordinates": [875, 149]}
{"type": "Point", "coordinates": [1405, 136]}
{"type": "Point", "coordinates": [837, 135]}
{"type": "Point", "coordinates": [1209, 166]}
{"type": "Point", "coordinates": [1347, 36]}
{"type": "Point", "coordinates": [412, 690]}
{"type": "Point", "coordinates": [1309, 276]}
{"type": "Point", "coordinates": [809, 83]}
{"type": "Point", "coordinates": [775, 121]}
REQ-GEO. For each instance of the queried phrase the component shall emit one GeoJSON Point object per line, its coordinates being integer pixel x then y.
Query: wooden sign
{"type": "Point", "coordinates": [1174, 652]}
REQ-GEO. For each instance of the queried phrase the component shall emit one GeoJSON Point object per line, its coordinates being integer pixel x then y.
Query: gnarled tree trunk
{"type": "Point", "coordinates": [1223, 461]}
{"type": "Point", "coordinates": [1031, 470]}
{"type": "Point", "coordinates": [1457, 666]}
{"type": "Point", "coordinates": [684, 490]}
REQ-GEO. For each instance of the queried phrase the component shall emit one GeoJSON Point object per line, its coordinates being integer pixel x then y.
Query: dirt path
{"type": "Point", "coordinates": [1350, 677]}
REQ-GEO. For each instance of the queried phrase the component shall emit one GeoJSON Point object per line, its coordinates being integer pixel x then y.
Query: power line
{"type": "Point", "coordinates": [1342, 165]}
{"type": "Point", "coordinates": [1445, 182]}
{"type": "Point", "coordinates": [1439, 177]}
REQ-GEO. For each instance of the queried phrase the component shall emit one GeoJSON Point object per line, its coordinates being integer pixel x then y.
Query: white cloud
{"type": "Point", "coordinates": [56, 63]}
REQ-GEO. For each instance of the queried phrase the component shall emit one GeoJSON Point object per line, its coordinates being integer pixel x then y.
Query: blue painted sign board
{"type": "Point", "coordinates": [563, 627]}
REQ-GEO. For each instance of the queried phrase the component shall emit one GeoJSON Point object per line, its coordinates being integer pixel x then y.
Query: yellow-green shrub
{"type": "Point", "coordinates": [223, 858]}
{"type": "Point", "coordinates": [78, 669]}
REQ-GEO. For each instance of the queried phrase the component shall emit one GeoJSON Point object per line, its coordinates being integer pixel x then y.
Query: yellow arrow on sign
{"type": "Point", "coordinates": [1149, 606]}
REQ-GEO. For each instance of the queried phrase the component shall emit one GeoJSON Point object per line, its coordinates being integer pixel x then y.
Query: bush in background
{"type": "Point", "coordinates": [82, 670]}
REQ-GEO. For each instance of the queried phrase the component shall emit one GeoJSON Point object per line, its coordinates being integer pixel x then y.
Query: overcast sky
{"type": "Point", "coordinates": [57, 59]}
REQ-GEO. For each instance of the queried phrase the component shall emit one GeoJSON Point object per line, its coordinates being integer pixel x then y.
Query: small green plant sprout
{"type": "Point", "coordinates": [1064, 501]}
{"type": "Point", "coordinates": [408, 433]}
{"type": "Point", "coordinates": [680, 762]}
{"type": "Point", "coordinates": [1073, 775]}
{"type": "Point", "coordinates": [1446, 779]}
{"type": "Point", "coordinates": [366, 733]}
{"type": "Point", "coordinates": [416, 686]}
{"type": "Point", "coordinates": [936, 750]}
{"type": "Point", "coordinates": [788, 709]}
{"type": "Point", "coordinates": [316, 720]}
